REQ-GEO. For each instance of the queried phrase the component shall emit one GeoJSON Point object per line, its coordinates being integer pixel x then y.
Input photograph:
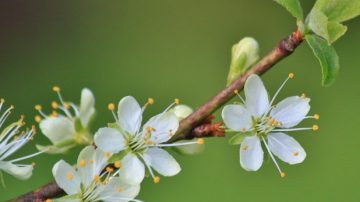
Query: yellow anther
{"type": "Point", "coordinates": [111, 106]}
{"type": "Point", "coordinates": [54, 114]}
{"type": "Point", "coordinates": [236, 91]}
{"type": "Point", "coordinates": [149, 142]}
{"type": "Point", "coordinates": [200, 141]}
{"type": "Point", "coordinates": [109, 169]}
{"type": "Point", "coordinates": [82, 163]}
{"type": "Point", "coordinates": [177, 101]}
{"type": "Point", "coordinates": [67, 105]}
{"type": "Point", "coordinates": [315, 128]}
{"type": "Point", "coordinates": [48, 200]}
{"type": "Point", "coordinates": [153, 129]}
{"type": "Point", "coordinates": [107, 154]}
{"type": "Point", "coordinates": [303, 95]}
{"type": "Point", "coordinates": [120, 189]}
{"type": "Point", "coordinates": [38, 107]}
{"type": "Point", "coordinates": [296, 153]}
{"type": "Point", "coordinates": [2, 100]}
{"type": "Point", "coordinates": [54, 105]}
{"type": "Point", "coordinates": [151, 101]}
{"type": "Point", "coordinates": [37, 118]}
{"type": "Point", "coordinates": [156, 179]}
{"type": "Point", "coordinates": [56, 88]}
{"type": "Point", "coordinates": [117, 164]}
{"type": "Point", "coordinates": [91, 161]}
{"type": "Point", "coordinates": [282, 174]}
{"type": "Point", "coordinates": [97, 178]}
{"type": "Point", "coordinates": [69, 176]}
{"type": "Point", "coordinates": [12, 106]}
{"type": "Point", "coordinates": [291, 75]}
{"type": "Point", "coordinates": [316, 116]}
{"type": "Point", "coordinates": [33, 164]}
{"type": "Point", "coordinates": [245, 147]}
{"type": "Point", "coordinates": [33, 128]}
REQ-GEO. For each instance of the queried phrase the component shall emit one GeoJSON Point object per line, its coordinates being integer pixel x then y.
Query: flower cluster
{"type": "Point", "coordinates": [11, 140]}
{"type": "Point", "coordinates": [258, 120]}
{"type": "Point", "coordinates": [71, 127]}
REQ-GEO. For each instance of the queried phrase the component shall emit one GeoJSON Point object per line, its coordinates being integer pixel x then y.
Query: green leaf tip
{"type": "Point", "coordinates": [327, 56]}
{"type": "Point", "coordinates": [293, 7]}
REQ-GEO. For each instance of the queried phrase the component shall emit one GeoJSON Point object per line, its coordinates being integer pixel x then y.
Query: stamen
{"type": "Point", "coordinates": [156, 179]}
{"type": "Point", "coordinates": [54, 105]}
{"type": "Point", "coordinates": [290, 76]}
{"type": "Point", "coordinates": [109, 169]}
{"type": "Point", "coordinates": [39, 109]}
{"type": "Point", "coordinates": [316, 116]}
{"type": "Point", "coordinates": [177, 101]}
{"type": "Point", "coordinates": [117, 164]}
{"type": "Point", "coordinates": [37, 119]}
{"type": "Point", "coordinates": [48, 200]}
{"type": "Point", "coordinates": [200, 141]}
{"type": "Point", "coordinates": [315, 128]}
{"type": "Point", "coordinates": [111, 106]}
{"type": "Point", "coordinates": [237, 93]}
{"type": "Point", "coordinates": [150, 101]}
{"type": "Point", "coordinates": [282, 174]}
{"type": "Point", "coordinates": [295, 129]}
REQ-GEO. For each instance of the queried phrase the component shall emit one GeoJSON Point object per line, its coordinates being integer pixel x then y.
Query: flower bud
{"type": "Point", "coordinates": [243, 55]}
{"type": "Point", "coordinates": [182, 111]}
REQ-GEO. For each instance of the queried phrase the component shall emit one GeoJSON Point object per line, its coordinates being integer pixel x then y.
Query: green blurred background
{"type": "Point", "coordinates": [166, 49]}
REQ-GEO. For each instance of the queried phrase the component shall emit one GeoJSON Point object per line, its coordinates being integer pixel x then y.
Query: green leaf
{"type": "Point", "coordinates": [117, 157]}
{"type": "Point", "coordinates": [238, 138]}
{"type": "Point", "coordinates": [339, 10]}
{"type": "Point", "coordinates": [335, 31]}
{"type": "Point", "coordinates": [317, 22]}
{"type": "Point", "coordinates": [293, 6]}
{"type": "Point", "coordinates": [327, 57]}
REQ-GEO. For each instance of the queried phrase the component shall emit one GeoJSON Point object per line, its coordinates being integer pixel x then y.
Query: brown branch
{"type": "Point", "coordinates": [197, 125]}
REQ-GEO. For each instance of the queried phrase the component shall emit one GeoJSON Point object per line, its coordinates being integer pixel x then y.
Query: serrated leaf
{"type": "Point", "coordinates": [335, 31]}
{"type": "Point", "coordinates": [238, 138]}
{"type": "Point", "coordinates": [293, 6]}
{"type": "Point", "coordinates": [327, 57]}
{"type": "Point", "coordinates": [339, 10]}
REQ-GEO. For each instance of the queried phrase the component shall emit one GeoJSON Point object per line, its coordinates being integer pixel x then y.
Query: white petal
{"type": "Point", "coordinates": [129, 114]}
{"type": "Point", "coordinates": [165, 124]}
{"type": "Point", "coordinates": [132, 170]}
{"type": "Point", "coordinates": [62, 172]}
{"type": "Point", "coordinates": [57, 129]}
{"type": "Point", "coordinates": [87, 108]}
{"type": "Point", "coordinates": [286, 148]}
{"type": "Point", "coordinates": [162, 162]}
{"type": "Point", "coordinates": [257, 99]}
{"type": "Point", "coordinates": [90, 162]}
{"type": "Point", "coordinates": [22, 172]}
{"type": "Point", "coordinates": [251, 154]}
{"type": "Point", "coordinates": [291, 111]}
{"type": "Point", "coordinates": [119, 191]}
{"type": "Point", "coordinates": [236, 117]}
{"type": "Point", "coordinates": [109, 140]}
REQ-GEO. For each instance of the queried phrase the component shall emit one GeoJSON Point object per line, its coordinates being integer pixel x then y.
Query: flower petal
{"type": "Point", "coordinates": [66, 177]}
{"type": "Point", "coordinates": [291, 111]}
{"type": "Point", "coordinates": [22, 172]}
{"type": "Point", "coordinates": [87, 108]}
{"type": "Point", "coordinates": [57, 129]}
{"type": "Point", "coordinates": [119, 191]}
{"type": "Point", "coordinates": [162, 162]}
{"type": "Point", "coordinates": [132, 170]}
{"type": "Point", "coordinates": [129, 114]}
{"type": "Point", "coordinates": [257, 99]}
{"type": "Point", "coordinates": [286, 148]}
{"type": "Point", "coordinates": [164, 125]}
{"type": "Point", "coordinates": [236, 117]}
{"type": "Point", "coordinates": [251, 154]}
{"type": "Point", "coordinates": [90, 162]}
{"type": "Point", "coordinates": [109, 140]}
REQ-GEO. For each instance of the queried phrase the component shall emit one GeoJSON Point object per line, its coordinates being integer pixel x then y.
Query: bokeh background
{"type": "Point", "coordinates": [166, 49]}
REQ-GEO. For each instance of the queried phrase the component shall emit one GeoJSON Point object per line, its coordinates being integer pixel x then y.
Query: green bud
{"type": "Point", "coordinates": [243, 55]}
